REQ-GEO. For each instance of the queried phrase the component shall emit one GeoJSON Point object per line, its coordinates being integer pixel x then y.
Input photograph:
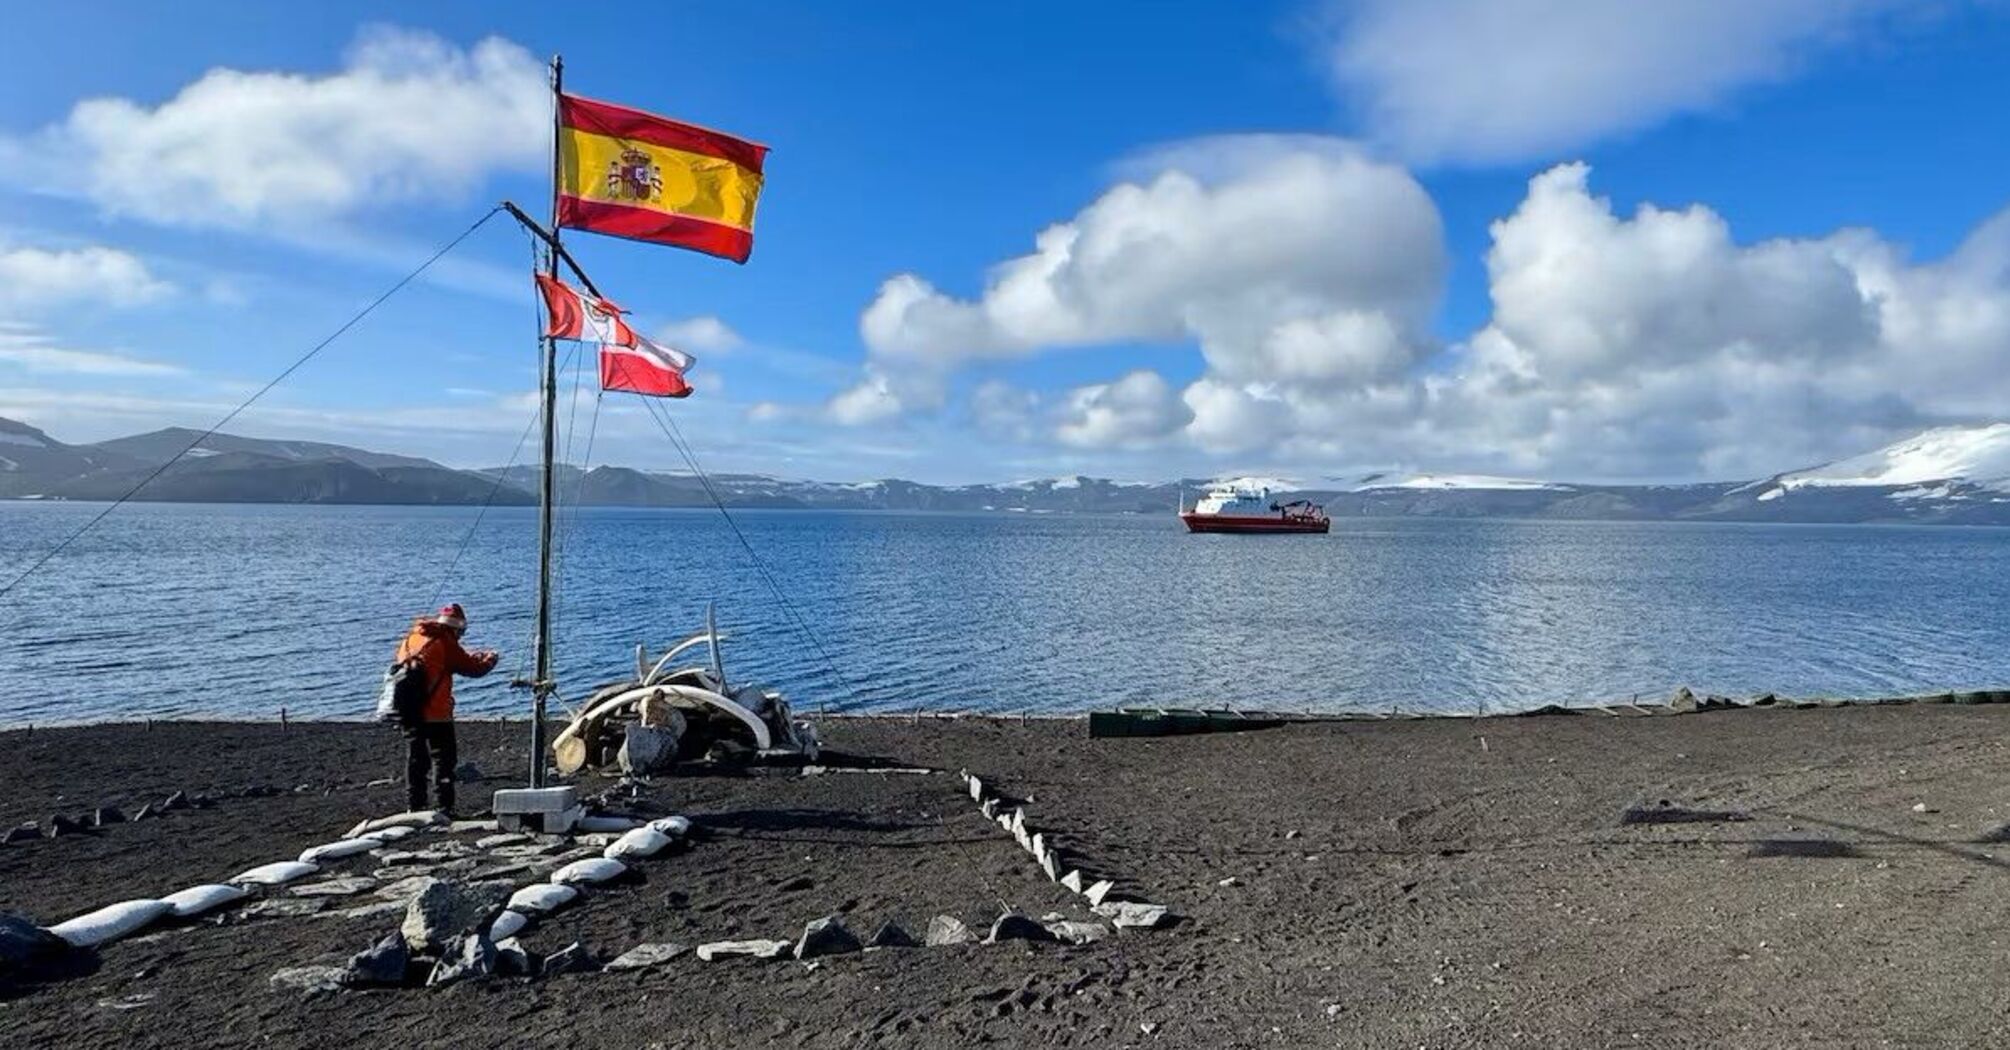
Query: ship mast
{"type": "Point", "coordinates": [542, 685]}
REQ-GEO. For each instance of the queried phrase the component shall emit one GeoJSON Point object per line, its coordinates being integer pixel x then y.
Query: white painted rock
{"type": "Point", "coordinates": [196, 900]}
{"type": "Point", "coordinates": [1098, 891]}
{"type": "Point", "coordinates": [507, 925]}
{"type": "Point", "coordinates": [338, 850]}
{"type": "Point", "coordinates": [675, 826]}
{"type": "Point", "coordinates": [345, 886]}
{"type": "Point", "coordinates": [277, 873]}
{"type": "Point", "coordinates": [418, 818]}
{"type": "Point", "coordinates": [1072, 881]}
{"type": "Point", "coordinates": [1051, 866]}
{"type": "Point", "coordinates": [1038, 847]}
{"type": "Point", "coordinates": [989, 809]}
{"type": "Point", "coordinates": [392, 834]}
{"type": "Point", "coordinates": [759, 949]}
{"type": "Point", "coordinates": [641, 842]}
{"type": "Point", "coordinates": [591, 870]}
{"type": "Point", "coordinates": [542, 898]}
{"type": "Point", "coordinates": [976, 790]}
{"type": "Point", "coordinates": [110, 922]}
{"type": "Point", "coordinates": [1070, 932]}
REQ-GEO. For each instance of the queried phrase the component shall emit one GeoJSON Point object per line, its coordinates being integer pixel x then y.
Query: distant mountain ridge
{"type": "Point", "coordinates": [1950, 475]}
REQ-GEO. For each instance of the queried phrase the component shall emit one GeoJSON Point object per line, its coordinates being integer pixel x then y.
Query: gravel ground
{"type": "Point", "coordinates": [1435, 883]}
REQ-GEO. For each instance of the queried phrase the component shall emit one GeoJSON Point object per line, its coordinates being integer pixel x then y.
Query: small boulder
{"type": "Point", "coordinates": [1683, 702]}
{"type": "Point", "coordinates": [645, 956]}
{"type": "Point", "coordinates": [380, 965]}
{"type": "Point", "coordinates": [946, 930]}
{"type": "Point", "coordinates": [22, 833]}
{"type": "Point", "coordinates": [308, 980]}
{"type": "Point", "coordinates": [177, 800]}
{"type": "Point", "coordinates": [442, 910]}
{"type": "Point", "coordinates": [1068, 931]}
{"type": "Point", "coordinates": [468, 956]}
{"type": "Point", "coordinates": [105, 815]}
{"type": "Point", "coordinates": [514, 960]}
{"type": "Point", "coordinates": [61, 825]}
{"type": "Point", "coordinates": [1134, 914]}
{"type": "Point", "coordinates": [826, 936]}
{"type": "Point", "coordinates": [891, 935]}
{"type": "Point", "coordinates": [759, 949]}
{"type": "Point", "coordinates": [27, 950]}
{"type": "Point", "coordinates": [145, 812]}
{"type": "Point", "coordinates": [1013, 926]}
{"type": "Point", "coordinates": [570, 959]}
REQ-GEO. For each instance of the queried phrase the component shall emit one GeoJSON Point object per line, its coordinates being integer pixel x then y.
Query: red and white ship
{"type": "Point", "coordinates": [1233, 508]}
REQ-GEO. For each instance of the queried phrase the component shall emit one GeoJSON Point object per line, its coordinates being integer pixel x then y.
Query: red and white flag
{"type": "Point", "coordinates": [648, 368]}
{"type": "Point", "coordinates": [571, 315]}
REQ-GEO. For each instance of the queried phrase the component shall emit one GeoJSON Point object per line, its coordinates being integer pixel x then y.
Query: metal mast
{"type": "Point", "coordinates": [542, 685]}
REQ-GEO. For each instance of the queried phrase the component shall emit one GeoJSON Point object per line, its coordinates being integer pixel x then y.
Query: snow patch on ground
{"type": "Point", "coordinates": [1977, 454]}
{"type": "Point", "coordinates": [1772, 494]}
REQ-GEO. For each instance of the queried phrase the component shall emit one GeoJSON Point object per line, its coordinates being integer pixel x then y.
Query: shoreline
{"type": "Point", "coordinates": [1683, 702]}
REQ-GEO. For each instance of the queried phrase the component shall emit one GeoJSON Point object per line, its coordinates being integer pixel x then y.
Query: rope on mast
{"type": "Point", "coordinates": [247, 402]}
{"type": "Point", "coordinates": [668, 424]}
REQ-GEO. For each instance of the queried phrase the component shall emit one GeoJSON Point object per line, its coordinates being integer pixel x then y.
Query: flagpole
{"type": "Point", "coordinates": [542, 685]}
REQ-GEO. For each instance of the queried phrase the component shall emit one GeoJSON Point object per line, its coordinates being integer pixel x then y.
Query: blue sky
{"type": "Point", "coordinates": [1347, 242]}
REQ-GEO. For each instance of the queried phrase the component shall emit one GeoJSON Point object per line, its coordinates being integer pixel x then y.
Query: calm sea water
{"type": "Point", "coordinates": [230, 610]}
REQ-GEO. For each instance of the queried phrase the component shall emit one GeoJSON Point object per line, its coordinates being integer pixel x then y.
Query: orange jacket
{"type": "Point", "coordinates": [442, 657]}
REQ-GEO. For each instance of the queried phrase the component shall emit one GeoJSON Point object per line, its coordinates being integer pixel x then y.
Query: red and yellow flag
{"type": "Point", "coordinates": [632, 174]}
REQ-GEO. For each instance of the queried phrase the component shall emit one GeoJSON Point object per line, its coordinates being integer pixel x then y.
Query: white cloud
{"type": "Point", "coordinates": [39, 279]}
{"type": "Point", "coordinates": [1649, 345]}
{"type": "Point", "coordinates": [408, 117]}
{"type": "Point", "coordinates": [1138, 410]}
{"type": "Point", "coordinates": [1505, 80]}
{"type": "Point", "coordinates": [872, 400]}
{"type": "Point", "coordinates": [705, 334]}
{"type": "Point", "coordinates": [30, 350]}
{"type": "Point", "coordinates": [1303, 257]}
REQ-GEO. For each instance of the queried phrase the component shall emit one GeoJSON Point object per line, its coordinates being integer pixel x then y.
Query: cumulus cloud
{"type": "Point", "coordinates": [1653, 344]}
{"type": "Point", "coordinates": [704, 334]}
{"type": "Point", "coordinates": [36, 279]}
{"type": "Point", "coordinates": [409, 116]}
{"type": "Point", "coordinates": [1139, 409]}
{"type": "Point", "coordinates": [1293, 258]}
{"type": "Point", "coordinates": [1658, 344]}
{"type": "Point", "coordinates": [1504, 80]}
{"type": "Point", "coordinates": [872, 400]}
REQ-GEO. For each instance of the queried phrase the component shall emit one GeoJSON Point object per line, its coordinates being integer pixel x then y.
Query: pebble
{"type": "Point", "coordinates": [644, 956]}
{"type": "Point", "coordinates": [308, 980]}
{"type": "Point", "coordinates": [946, 930]}
{"type": "Point", "coordinates": [826, 936]}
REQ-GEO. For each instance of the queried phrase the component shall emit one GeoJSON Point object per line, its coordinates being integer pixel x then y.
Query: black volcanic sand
{"type": "Point", "coordinates": [1400, 884]}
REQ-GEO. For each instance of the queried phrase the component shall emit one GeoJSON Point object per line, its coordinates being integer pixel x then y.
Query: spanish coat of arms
{"type": "Point", "coordinates": [634, 177]}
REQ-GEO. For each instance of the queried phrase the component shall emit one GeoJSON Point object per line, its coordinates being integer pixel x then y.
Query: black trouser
{"type": "Point", "coordinates": [430, 744]}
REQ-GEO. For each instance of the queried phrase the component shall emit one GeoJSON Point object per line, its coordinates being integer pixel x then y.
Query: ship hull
{"type": "Point", "coordinates": [1244, 523]}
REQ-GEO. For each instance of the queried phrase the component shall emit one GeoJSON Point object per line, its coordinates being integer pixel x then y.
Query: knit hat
{"type": "Point", "coordinates": [453, 616]}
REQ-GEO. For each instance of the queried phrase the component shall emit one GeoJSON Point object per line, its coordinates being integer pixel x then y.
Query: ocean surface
{"type": "Point", "coordinates": [177, 611]}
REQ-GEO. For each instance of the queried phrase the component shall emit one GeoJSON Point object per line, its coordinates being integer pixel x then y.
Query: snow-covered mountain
{"type": "Point", "coordinates": [1951, 475]}
{"type": "Point", "coordinates": [1947, 474]}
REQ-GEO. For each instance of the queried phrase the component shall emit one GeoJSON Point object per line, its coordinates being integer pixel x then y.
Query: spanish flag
{"type": "Point", "coordinates": [632, 174]}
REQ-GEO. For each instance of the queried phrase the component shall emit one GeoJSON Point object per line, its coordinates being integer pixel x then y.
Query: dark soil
{"type": "Point", "coordinates": [1399, 884]}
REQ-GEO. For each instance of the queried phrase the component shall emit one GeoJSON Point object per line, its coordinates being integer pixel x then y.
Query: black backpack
{"type": "Point", "coordinates": [403, 699]}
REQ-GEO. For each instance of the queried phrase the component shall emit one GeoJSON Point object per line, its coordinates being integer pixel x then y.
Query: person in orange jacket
{"type": "Point", "coordinates": [435, 643]}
